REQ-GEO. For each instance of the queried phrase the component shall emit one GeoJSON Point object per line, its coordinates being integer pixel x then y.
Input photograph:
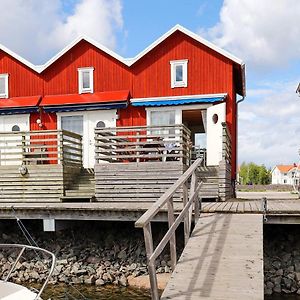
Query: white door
{"type": "Point", "coordinates": [11, 144]}
{"type": "Point", "coordinates": [215, 116]}
{"type": "Point", "coordinates": [84, 123]}
{"type": "Point", "coordinates": [100, 118]}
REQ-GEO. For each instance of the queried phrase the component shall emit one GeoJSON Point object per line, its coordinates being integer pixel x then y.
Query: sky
{"type": "Point", "coordinates": [263, 33]}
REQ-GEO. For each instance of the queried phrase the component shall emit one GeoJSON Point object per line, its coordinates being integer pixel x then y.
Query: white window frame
{"type": "Point", "coordinates": [5, 94]}
{"type": "Point", "coordinates": [81, 89]}
{"type": "Point", "coordinates": [184, 81]}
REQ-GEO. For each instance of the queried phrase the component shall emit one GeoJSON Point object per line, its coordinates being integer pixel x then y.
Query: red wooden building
{"type": "Point", "coordinates": [179, 79]}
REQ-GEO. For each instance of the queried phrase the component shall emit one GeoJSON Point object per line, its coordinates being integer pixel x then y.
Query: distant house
{"type": "Point", "coordinates": [285, 174]}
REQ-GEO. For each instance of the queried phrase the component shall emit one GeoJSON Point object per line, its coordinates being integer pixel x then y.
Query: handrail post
{"type": "Point", "coordinates": [192, 191]}
{"type": "Point", "coordinates": [60, 154]}
{"type": "Point", "coordinates": [186, 217]}
{"type": "Point", "coordinates": [171, 220]}
{"type": "Point", "coordinates": [151, 264]}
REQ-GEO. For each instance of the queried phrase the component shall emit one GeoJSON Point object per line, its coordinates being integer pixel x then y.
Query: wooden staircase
{"type": "Point", "coordinates": [82, 189]}
{"type": "Point", "coordinates": [210, 178]}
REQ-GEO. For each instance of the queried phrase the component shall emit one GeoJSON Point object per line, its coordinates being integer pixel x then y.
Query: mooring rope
{"type": "Point", "coordinates": [32, 242]}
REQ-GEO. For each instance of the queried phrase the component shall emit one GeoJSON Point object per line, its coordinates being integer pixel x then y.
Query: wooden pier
{"type": "Point", "coordinates": [223, 259]}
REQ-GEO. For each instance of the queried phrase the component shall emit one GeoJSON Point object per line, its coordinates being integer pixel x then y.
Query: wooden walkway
{"type": "Point", "coordinates": [223, 259]}
{"type": "Point", "coordinates": [253, 206]}
{"type": "Point", "coordinates": [131, 211]}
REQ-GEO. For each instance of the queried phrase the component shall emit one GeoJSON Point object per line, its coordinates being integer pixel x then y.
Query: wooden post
{"type": "Point", "coordinates": [137, 146]}
{"type": "Point", "coordinates": [171, 220]}
{"type": "Point", "coordinates": [192, 191]}
{"type": "Point", "coordinates": [186, 217]}
{"type": "Point", "coordinates": [151, 265]}
{"type": "Point", "coordinates": [23, 148]}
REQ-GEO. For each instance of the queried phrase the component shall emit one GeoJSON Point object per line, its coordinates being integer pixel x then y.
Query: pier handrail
{"type": "Point", "coordinates": [26, 247]}
{"type": "Point", "coordinates": [190, 202]}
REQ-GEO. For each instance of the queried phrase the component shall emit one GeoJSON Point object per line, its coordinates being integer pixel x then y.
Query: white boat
{"type": "Point", "coordinates": [13, 291]}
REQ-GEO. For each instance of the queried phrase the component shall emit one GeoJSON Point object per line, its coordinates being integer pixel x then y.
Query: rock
{"type": "Point", "coordinates": [276, 264]}
{"type": "Point", "coordinates": [99, 282]}
{"type": "Point", "coordinates": [276, 280]}
{"type": "Point", "coordinates": [123, 280]}
{"type": "Point", "coordinates": [270, 285]}
{"type": "Point", "coordinates": [286, 257]}
{"type": "Point", "coordinates": [287, 282]}
{"type": "Point", "coordinates": [122, 254]}
{"type": "Point", "coordinates": [90, 280]}
{"type": "Point", "coordinates": [297, 265]}
{"type": "Point", "coordinates": [279, 272]}
{"type": "Point", "coordinates": [277, 288]}
{"type": "Point", "coordinates": [268, 291]}
{"type": "Point", "coordinates": [81, 272]}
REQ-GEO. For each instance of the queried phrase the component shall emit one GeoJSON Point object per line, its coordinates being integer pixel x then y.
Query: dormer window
{"type": "Point", "coordinates": [85, 80]}
{"type": "Point", "coordinates": [3, 85]}
{"type": "Point", "coordinates": [179, 73]}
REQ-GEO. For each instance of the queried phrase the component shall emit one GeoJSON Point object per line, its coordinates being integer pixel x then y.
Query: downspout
{"type": "Point", "coordinates": [237, 111]}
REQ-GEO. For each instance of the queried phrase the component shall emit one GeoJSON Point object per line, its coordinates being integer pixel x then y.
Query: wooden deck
{"type": "Point", "coordinates": [131, 211]}
{"type": "Point", "coordinates": [223, 259]}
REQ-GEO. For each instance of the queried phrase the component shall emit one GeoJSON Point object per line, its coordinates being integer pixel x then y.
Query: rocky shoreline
{"type": "Point", "coordinates": [282, 259]}
{"type": "Point", "coordinates": [92, 253]}
{"type": "Point", "coordinates": [96, 253]}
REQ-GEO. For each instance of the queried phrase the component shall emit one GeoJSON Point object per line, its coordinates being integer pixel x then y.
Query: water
{"type": "Point", "coordinates": [282, 297]}
{"type": "Point", "coordinates": [109, 292]}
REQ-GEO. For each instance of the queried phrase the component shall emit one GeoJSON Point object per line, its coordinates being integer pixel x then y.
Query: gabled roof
{"type": "Point", "coordinates": [285, 168]}
{"type": "Point", "coordinates": [130, 61]}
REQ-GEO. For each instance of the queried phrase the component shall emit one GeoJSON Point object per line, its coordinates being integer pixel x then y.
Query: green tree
{"type": "Point", "coordinates": [252, 173]}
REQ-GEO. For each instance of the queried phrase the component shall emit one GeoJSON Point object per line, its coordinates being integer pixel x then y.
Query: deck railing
{"type": "Point", "coordinates": [143, 144]}
{"type": "Point", "coordinates": [40, 147]}
{"type": "Point", "coordinates": [190, 186]}
{"type": "Point", "coordinates": [226, 143]}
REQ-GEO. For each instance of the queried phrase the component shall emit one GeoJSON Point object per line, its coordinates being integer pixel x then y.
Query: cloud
{"type": "Point", "coordinates": [37, 29]}
{"type": "Point", "coordinates": [269, 128]}
{"type": "Point", "coordinates": [263, 33]}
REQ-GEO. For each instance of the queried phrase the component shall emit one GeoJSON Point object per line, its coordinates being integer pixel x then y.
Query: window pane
{"type": "Point", "coordinates": [163, 117]}
{"type": "Point", "coordinates": [2, 85]}
{"type": "Point", "coordinates": [179, 73]}
{"type": "Point", "coordinates": [72, 123]}
{"type": "Point", "coordinates": [86, 80]}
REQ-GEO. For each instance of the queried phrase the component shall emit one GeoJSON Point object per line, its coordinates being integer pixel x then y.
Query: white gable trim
{"type": "Point", "coordinates": [126, 61]}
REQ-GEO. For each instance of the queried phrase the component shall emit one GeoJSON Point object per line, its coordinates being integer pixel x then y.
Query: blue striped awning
{"type": "Point", "coordinates": [66, 108]}
{"type": "Point", "coordinates": [182, 101]}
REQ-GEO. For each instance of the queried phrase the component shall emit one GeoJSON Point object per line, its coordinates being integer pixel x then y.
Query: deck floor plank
{"type": "Point", "coordinates": [222, 260]}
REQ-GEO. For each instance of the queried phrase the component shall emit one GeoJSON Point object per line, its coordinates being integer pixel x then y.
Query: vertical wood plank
{"type": "Point", "coordinates": [173, 237]}
{"type": "Point", "coordinates": [151, 265]}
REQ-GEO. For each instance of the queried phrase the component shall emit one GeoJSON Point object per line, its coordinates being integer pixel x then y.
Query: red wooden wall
{"type": "Point", "coordinates": [23, 81]}
{"type": "Point", "coordinates": [208, 72]}
{"type": "Point", "coordinates": [109, 74]}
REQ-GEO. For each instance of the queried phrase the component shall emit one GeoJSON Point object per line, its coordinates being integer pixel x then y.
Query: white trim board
{"type": "Point", "coordinates": [127, 61]}
{"type": "Point", "coordinates": [201, 96]}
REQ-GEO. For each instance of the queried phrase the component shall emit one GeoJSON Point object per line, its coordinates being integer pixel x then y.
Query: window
{"type": "Point", "coordinates": [179, 73]}
{"type": "Point", "coordinates": [163, 118]}
{"type": "Point", "coordinates": [15, 128]}
{"type": "Point", "coordinates": [100, 124]}
{"type": "Point", "coordinates": [85, 80]}
{"type": "Point", "coordinates": [72, 123]}
{"type": "Point", "coordinates": [3, 85]}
